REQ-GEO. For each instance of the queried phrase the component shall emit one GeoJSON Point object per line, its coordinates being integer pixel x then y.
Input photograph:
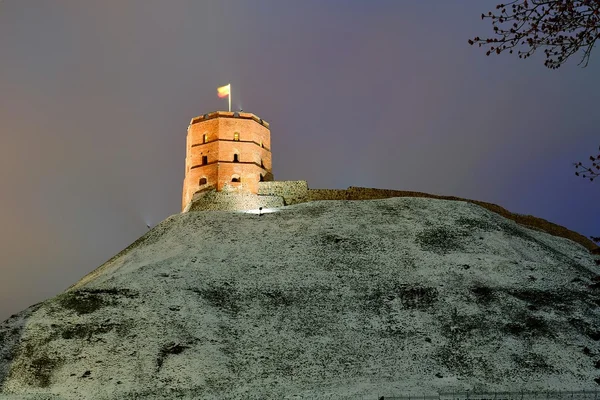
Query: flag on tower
{"type": "Point", "coordinates": [224, 91]}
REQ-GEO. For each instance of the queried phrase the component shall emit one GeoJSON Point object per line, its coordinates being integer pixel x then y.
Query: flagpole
{"type": "Point", "coordinates": [229, 97]}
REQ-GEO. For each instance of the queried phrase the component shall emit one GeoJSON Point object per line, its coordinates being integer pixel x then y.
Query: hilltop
{"type": "Point", "coordinates": [324, 299]}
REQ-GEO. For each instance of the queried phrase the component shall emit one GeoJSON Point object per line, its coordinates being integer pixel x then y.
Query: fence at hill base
{"type": "Point", "coordinates": [523, 395]}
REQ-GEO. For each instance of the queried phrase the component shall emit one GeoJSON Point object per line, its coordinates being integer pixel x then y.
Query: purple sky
{"type": "Point", "coordinates": [95, 99]}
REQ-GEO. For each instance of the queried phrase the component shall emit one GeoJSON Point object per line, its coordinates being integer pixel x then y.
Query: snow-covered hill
{"type": "Point", "coordinates": [327, 299]}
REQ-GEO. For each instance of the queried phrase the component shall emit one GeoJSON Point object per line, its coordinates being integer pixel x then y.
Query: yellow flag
{"type": "Point", "coordinates": [223, 91]}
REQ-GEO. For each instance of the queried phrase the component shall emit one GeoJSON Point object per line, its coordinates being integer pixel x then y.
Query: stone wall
{"type": "Point", "coordinates": [327, 194]}
{"type": "Point", "coordinates": [211, 200]}
{"type": "Point", "coordinates": [280, 193]}
{"type": "Point", "coordinates": [293, 192]}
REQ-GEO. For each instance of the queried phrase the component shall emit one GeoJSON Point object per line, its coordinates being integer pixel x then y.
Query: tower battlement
{"type": "Point", "coordinates": [229, 114]}
{"type": "Point", "coordinates": [226, 151]}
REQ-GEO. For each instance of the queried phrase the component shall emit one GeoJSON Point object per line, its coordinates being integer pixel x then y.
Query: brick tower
{"type": "Point", "coordinates": [226, 151]}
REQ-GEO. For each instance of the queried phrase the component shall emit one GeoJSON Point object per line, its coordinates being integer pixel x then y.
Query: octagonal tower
{"type": "Point", "coordinates": [226, 151]}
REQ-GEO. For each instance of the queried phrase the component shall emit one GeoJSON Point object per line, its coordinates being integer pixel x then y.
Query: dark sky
{"type": "Point", "coordinates": [95, 99]}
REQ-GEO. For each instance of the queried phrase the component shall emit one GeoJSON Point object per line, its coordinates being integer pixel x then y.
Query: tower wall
{"type": "Point", "coordinates": [222, 147]}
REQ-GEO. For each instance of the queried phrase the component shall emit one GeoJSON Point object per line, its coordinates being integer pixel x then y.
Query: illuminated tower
{"type": "Point", "coordinates": [226, 151]}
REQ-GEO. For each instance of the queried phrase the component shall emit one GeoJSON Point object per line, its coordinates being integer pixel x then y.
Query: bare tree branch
{"type": "Point", "coordinates": [589, 171]}
{"type": "Point", "coordinates": [560, 28]}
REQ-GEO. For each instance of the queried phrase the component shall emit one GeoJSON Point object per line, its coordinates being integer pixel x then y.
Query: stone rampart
{"type": "Point", "coordinates": [280, 193]}
{"type": "Point", "coordinates": [211, 200]}
{"type": "Point", "coordinates": [327, 194]}
{"type": "Point", "coordinates": [293, 192]}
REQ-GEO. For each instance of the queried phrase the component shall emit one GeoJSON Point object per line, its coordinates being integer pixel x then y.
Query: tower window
{"type": "Point", "coordinates": [236, 136]}
{"type": "Point", "coordinates": [236, 179]}
{"type": "Point", "coordinates": [262, 178]}
{"type": "Point", "coordinates": [204, 160]}
{"type": "Point", "coordinates": [202, 181]}
{"type": "Point", "coordinates": [235, 158]}
{"type": "Point", "coordinates": [261, 144]}
{"type": "Point", "coordinates": [262, 165]}
{"type": "Point", "coordinates": [205, 138]}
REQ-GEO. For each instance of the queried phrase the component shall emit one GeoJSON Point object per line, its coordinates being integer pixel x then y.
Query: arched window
{"type": "Point", "coordinates": [204, 160]}
{"type": "Point", "coordinates": [236, 178]}
{"type": "Point", "coordinates": [236, 158]}
{"type": "Point", "coordinates": [202, 181]}
{"type": "Point", "coordinates": [236, 136]}
{"type": "Point", "coordinates": [262, 178]}
{"type": "Point", "coordinates": [262, 165]}
{"type": "Point", "coordinates": [205, 138]}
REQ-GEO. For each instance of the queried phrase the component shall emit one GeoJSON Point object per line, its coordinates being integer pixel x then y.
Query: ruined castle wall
{"type": "Point", "coordinates": [360, 193]}
{"type": "Point", "coordinates": [327, 194]}
{"type": "Point", "coordinates": [211, 200]}
{"type": "Point", "coordinates": [280, 193]}
{"type": "Point", "coordinates": [293, 192]}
